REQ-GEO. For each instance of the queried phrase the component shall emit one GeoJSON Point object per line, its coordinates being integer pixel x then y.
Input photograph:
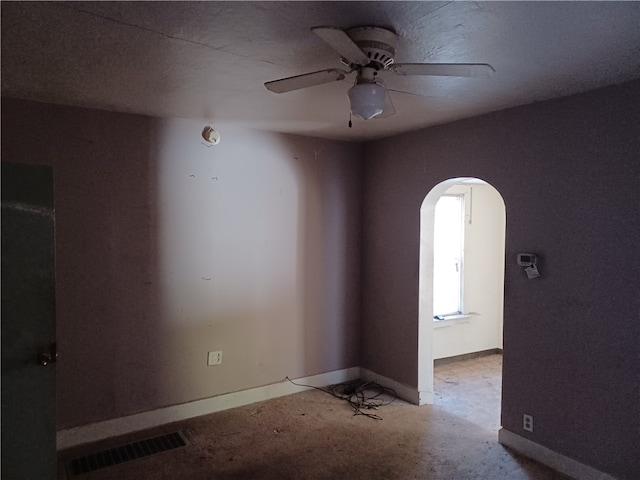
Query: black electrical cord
{"type": "Point", "coordinates": [360, 395]}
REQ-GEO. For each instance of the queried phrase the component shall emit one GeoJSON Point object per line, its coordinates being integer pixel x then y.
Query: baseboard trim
{"type": "Point", "coordinates": [405, 392]}
{"type": "Point", "coordinates": [557, 461]}
{"type": "Point", "coordinates": [425, 398]}
{"type": "Point", "coordinates": [120, 426]}
{"type": "Point", "coordinates": [438, 362]}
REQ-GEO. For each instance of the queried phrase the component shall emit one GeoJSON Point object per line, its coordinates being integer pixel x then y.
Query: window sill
{"type": "Point", "coordinates": [451, 320]}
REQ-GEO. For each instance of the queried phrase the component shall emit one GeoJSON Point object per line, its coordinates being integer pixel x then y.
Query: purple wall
{"type": "Point", "coordinates": [568, 172]}
{"type": "Point", "coordinates": [167, 249]}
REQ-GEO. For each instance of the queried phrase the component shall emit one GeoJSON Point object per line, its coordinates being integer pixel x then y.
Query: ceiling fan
{"type": "Point", "coordinates": [370, 52]}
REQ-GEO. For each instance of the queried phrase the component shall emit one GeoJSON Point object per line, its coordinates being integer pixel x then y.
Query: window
{"type": "Point", "coordinates": [448, 255]}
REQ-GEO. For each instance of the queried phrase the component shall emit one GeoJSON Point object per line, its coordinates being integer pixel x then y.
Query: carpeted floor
{"type": "Point", "coordinates": [312, 435]}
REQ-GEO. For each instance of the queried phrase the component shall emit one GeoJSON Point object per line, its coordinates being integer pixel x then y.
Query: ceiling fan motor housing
{"type": "Point", "coordinates": [378, 43]}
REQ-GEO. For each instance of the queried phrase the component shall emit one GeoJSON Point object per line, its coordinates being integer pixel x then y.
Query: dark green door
{"type": "Point", "coordinates": [28, 323]}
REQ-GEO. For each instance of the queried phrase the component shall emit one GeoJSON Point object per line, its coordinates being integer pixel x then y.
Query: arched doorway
{"type": "Point", "coordinates": [478, 311]}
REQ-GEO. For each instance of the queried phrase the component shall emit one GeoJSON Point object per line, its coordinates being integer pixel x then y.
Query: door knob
{"type": "Point", "coordinates": [46, 358]}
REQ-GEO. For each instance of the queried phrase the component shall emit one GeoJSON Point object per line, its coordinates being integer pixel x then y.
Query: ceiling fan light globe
{"type": "Point", "coordinates": [367, 100]}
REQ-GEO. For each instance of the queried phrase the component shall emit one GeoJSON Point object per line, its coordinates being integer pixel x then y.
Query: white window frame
{"type": "Point", "coordinates": [465, 194]}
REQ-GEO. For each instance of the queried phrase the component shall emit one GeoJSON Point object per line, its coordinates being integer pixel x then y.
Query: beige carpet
{"type": "Point", "coordinates": [313, 435]}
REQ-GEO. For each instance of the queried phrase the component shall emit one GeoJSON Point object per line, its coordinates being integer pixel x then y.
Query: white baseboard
{"type": "Point", "coordinates": [405, 392]}
{"type": "Point", "coordinates": [425, 398]}
{"type": "Point", "coordinates": [119, 426]}
{"type": "Point", "coordinates": [557, 461]}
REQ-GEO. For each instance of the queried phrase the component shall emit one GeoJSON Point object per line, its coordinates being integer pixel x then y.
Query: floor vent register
{"type": "Point", "coordinates": [125, 453]}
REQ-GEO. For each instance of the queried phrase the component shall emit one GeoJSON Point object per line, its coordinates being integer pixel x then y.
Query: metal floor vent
{"type": "Point", "coordinates": [125, 453]}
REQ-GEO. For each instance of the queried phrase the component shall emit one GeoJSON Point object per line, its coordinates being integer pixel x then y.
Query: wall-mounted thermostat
{"type": "Point", "coordinates": [527, 259]}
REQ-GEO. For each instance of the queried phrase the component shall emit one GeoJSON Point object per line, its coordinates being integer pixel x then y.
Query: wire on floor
{"type": "Point", "coordinates": [359, 394]}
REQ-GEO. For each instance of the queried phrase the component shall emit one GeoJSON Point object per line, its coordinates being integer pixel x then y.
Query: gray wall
{"type": "Point", "coordinates": [167, 249]}
{"type": "Point", "coordinates": [568, 172]}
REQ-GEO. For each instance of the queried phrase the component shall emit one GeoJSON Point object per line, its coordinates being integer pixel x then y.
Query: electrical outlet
{"type": "Point", "coordinates": [527, 422]}
{"type": "Point", "coordinates": [214, 358]}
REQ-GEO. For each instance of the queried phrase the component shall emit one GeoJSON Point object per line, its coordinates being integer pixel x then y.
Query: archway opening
{"type": "Point", "coordinates": [472, 327]}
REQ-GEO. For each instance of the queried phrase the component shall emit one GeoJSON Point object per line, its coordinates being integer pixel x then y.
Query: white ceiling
{"type": "Point", "coordinates": [209, 60]}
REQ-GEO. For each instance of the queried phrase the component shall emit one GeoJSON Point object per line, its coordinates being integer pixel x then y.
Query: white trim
{"type": "Point", "coordinates": [92, 432]}
{"type": "Point", "coordinates": [405, 392]}
{"type": "Point", "coordinates": [555, 460]}
{"type": "Point", "coordinates": [450, 320]}
{"type": "Point", "coordinates": [425, 398]}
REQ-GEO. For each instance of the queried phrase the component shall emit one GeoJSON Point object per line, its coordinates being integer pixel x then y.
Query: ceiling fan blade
{"type": "Point", "coordinates": [306, 80]}
{"type": "Point", "coordinates": [444, 69]}
{"type": "Point", "coordinates": [342, 43]}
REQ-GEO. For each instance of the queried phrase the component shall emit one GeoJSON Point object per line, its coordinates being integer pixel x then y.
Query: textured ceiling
{"type": "Point", "coordinates": [209, 60]}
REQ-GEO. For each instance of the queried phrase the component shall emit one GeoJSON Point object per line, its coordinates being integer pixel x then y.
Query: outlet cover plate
{"type": "Point", "coordinates": [527, 422]}
{"type": "Point", "coordinates": [214, 358]}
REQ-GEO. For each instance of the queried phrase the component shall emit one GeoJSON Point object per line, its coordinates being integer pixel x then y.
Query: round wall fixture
{"type": "Point", "coordinates": [211, 135]}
